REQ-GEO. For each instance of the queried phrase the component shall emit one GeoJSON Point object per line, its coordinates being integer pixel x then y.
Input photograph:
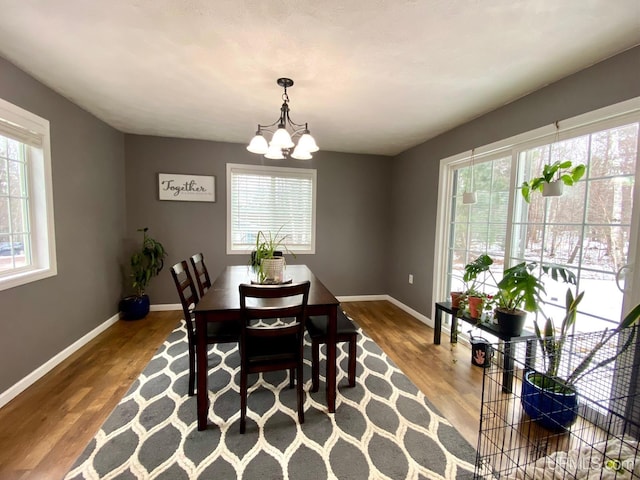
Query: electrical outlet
{"type": "Point", "coordinates": [410, 279]}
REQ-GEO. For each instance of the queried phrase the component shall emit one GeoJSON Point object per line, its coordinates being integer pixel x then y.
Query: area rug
{"type": "Point", "coordinates": [384, 428]}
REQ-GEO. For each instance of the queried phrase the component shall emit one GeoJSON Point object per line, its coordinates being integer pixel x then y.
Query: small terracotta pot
{"type": "Point", "coordinates": [455, 299]}
{"type": "Point", "coordinates": [475, 307]}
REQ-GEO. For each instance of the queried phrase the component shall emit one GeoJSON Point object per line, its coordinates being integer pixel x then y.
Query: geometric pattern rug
{"type": "Point", "coordinates": [384, 428]}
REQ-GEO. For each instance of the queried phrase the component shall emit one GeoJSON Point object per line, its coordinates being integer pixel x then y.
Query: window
{"type": "Point", "coordinates": [588, 229]}
{"type": "Point", "coordinates": [27, 246]}
{"type": "Point", "coordinates": [481, 227]}
{"type": "Point", "coordinates": [270, 199]}
{"type": "Point", "coordinates": [591, 230]}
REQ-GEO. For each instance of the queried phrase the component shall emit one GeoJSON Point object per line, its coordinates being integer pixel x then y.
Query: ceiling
{"type": "Point", "coordinates": [371, 76]}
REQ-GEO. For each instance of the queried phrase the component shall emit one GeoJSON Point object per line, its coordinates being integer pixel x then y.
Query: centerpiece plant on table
{"type": "Point", "coordinates": [267, 259]}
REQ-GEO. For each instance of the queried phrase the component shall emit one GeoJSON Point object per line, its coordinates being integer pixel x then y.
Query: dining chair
{"type": "Point", "coordinates": [217, 332]}
{"type": "Point", "coordinates": [201, 273]}
{"type": "Point", "coordinates": [346, 331]}
{"type": "Point", "coordinates": [266, 346]}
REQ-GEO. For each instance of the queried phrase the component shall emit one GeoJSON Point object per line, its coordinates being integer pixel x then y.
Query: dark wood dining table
{"type": "Point", "coordinates": [222, 303]}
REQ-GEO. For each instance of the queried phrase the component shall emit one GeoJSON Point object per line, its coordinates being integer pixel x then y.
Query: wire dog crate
{"type": "Point", "coordinates": [603, 440]}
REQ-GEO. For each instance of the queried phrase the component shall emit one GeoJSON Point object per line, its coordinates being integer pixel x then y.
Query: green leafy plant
{"type": "Point", "coordinates": [470, 278]}
{"type": "Point", "coordinates": [268, 246]}
{"type": "Point", "coordinates": [521, 289]}
{"type": "Point", "coordinates": [558, 171]}
{"type": "Point", "coordinates": [520, 286]}
{"type": "Point", "coordinates": [473, 269]}
{"type": "Point", "coordinates": [552, 340]}
{"type": "Point", "coordinates": [146, 263]}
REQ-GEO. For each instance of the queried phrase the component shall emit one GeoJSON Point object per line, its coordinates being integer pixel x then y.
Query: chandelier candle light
{"type": "Point", "coordinates": [282, 141]}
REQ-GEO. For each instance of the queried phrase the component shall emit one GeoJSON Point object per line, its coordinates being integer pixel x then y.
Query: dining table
{"type": "Point", "coordinates": [222, 303]}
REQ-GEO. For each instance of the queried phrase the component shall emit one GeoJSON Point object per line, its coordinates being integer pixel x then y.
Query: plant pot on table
{"type": "Point", "coordinates": [455, 299]}
{"type": "Point", "coordinates": [510, 322]}
{"type": "Point", "coordinates": [475, 307]}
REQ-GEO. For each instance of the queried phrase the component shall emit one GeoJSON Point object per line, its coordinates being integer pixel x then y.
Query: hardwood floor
{"type": "Point", "coordinates": [44, 429]}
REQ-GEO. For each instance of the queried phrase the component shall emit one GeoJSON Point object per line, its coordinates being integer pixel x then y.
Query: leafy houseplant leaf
{"type": "Point", "coordinates": [146, 263]}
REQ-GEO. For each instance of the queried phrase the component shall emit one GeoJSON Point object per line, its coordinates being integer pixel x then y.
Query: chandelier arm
{"type": "Point", "coordinates": [267, 127]}
{"type": "Point", "coordinates": [295, 125]}
{"type": "Point", "coordinates": [299, 131]}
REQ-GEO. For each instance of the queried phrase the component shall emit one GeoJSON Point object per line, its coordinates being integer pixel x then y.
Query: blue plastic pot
{"type": "Point", "coordinates": [134, 307]}
{"type": "Point", "coordinates": [554, 411]}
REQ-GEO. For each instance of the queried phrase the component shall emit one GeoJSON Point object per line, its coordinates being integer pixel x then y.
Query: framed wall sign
{"type": "Point", "coordinates": [186, 188]}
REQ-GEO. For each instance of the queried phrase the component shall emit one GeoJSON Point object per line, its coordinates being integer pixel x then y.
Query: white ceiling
{"type": "Point", "coordinates": [371, 76]}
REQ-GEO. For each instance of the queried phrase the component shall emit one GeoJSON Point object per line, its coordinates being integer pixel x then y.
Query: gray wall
{"type": "Point", "coordinates": [352, 211]}
{"type": "Point", "coordinates": [42, 318]}
{"type": "Point", "coordinates": [375, 216]}
{"type": "Point", "coordinates": [415, 172]}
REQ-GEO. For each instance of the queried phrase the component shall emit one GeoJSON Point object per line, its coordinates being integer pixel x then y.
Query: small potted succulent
{"type": "Point", "coordinates": [267, 259]}
{"type": "Point", "coordinates": [145, 264]}
{"type": "Point", "coordinates": [553, 178]}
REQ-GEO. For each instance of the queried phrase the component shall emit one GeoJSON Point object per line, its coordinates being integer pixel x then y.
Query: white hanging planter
{"type": "Point", "coordinates": [553, 189]}
{"type": "Point", "coordinates": [469, 198]}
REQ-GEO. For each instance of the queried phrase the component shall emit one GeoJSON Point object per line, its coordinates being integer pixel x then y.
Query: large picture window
{"type": "Point", "coordinates": [480, 227]}
{"type": "Point", "coordinates": [592, 229]}
{"type": "Point", "coordinates": [587, 229]}
{"type": "Point", "coordinates": [27, 244]}
{"type": "Point", "coordinates": [273, 200]}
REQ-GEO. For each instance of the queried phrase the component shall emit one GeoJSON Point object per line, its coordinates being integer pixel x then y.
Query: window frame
{"type": "Point", "coordinates": [601, 119]}
{"type": "Point", "coordinates": [268, 170]}
{"type": "Point", "coordinates": [40, 204]}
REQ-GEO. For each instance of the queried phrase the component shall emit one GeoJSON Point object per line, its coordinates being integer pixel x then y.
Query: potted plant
{"type": "Point", "coordinates": [548, 398]}
{"type": "Point", "coordinates": [553, 177]}
{"type": "Point", "coordinates": [519, 290]}
{"type": "Point", "coordinates": [145, 264]}
{"type": "Point", "coordinates": [472, 300]}
{"type": "Point", "coordinates": [267, 259]}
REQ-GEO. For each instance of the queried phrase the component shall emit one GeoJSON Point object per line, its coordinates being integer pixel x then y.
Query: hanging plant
{"type": "Point", "coordinates": [558, 171]}
{"type": "Point", "coordinates": [554, 176]}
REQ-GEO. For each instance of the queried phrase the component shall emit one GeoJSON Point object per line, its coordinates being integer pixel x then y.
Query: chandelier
{"type": "Point", "coordinates": [282, 141]}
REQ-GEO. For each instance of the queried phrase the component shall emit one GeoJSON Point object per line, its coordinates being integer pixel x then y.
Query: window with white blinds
{"type": "Point", "coordinates": [27, 244]}
{"type": "Point", "coordinates": [274, 200]}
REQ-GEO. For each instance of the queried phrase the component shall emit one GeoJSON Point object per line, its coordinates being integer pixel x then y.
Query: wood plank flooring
{"type": "Point", "coordinates": [44, 429]}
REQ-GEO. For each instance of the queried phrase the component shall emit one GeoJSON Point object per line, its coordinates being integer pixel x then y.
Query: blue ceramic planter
{"type": "Point", "coordinates": [552, 410]}
{"type": "Point", "coordinates": [134, 307]}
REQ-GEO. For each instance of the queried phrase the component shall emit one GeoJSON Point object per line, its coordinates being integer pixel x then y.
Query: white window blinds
{"type": "Point", "coordinates": [270, 199]}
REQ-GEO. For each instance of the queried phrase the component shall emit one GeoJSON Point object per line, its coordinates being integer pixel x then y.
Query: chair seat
{"type": "Point", "coordinates": [221, 332]}
{"type": "Point", "coordinates": [346, 331]}
{"type": "Point", "coordinates": [272, 350]}
{"type": "Point", "coordinates": [317, 326]}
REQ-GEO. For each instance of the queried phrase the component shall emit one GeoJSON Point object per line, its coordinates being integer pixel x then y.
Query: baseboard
{"type": "Point", "coordinates": [389, 298]}
{"type": "Point", "coordinates": [33, 377]}
{"type": "Point", "coordinates": [362, 298]}
{"type": "Point", "coordinates": [166, 307]}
